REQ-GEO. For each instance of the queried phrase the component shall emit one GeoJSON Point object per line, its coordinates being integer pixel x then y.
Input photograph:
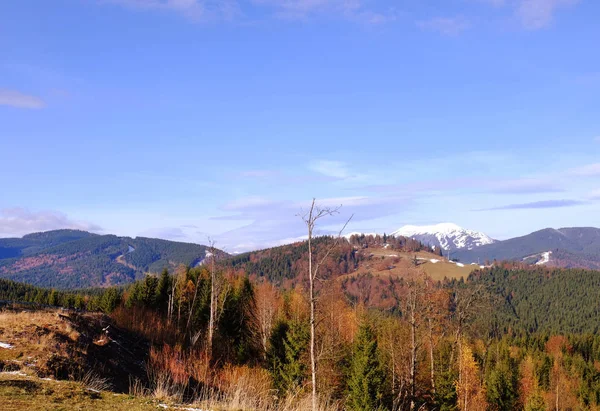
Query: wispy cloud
{"type": "Point", "coordinates": [19, 221]}
{"type": "Point", "coordinates": [498, 186]}
{"type": "Point", "coordinates": [303, 8]}
{"type": "Point", "coordinates": [589, 170]}
{"type": "Point", "coordinates": [595, 194]}
{"type": "Point", "coordinates": [198, 10]}
{"type": "Point", "coordinates": [248, 203]}
{"type": "Point", "coordinates": [17, 99]}
{"type": "Point", "coordinates": [448, 26]}
{"type": "Point", "coordinates": [210, 10]}
{"type": "Point", "coordinates": [257, 173]}
{"type": "Point", "coordinates": [329, 168]}
{"type": "Point", "coordinates": [271, 221]}
{"type": "Point", "coordinates": [167, 233]}
{"type": "Point", "coordinates": [537, 14]}
{"type": "Point", "coordinates": [537, 205]}
{"type": "Point", "coordinates": [525, 186]}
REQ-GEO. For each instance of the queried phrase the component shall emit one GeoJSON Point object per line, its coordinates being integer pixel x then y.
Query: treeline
{"type": "Point", "coordinates": [392, 242]}
{"type": "Point", "coordinates": [101, 299]}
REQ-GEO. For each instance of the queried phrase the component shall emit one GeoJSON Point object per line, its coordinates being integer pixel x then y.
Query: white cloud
{"type": "Point", "coordinates": [303, 8]}
{"type": "Point", "coordinates": [537, 14]}
{"type": "Point", "coordinates": [15, 222]}
{"type": "Point", "coordinates": [246, 203]}
{"type": "Point", "coordinates": [268, 222]}
{"type": "Point", "coordinates": [202, 10]}
{"type": "Point", "coordinates": [589, 170]}
{"type": "Point", "coordinates": [19, 100]}
{"type": "Point", "coordinates": [193, 9]}
{"type": "Point", "coordinates": [448, 26]}
{"type": "Point", "coordinates": [257, 173]}
{"type": "Point", "coordinates": [329, 168]}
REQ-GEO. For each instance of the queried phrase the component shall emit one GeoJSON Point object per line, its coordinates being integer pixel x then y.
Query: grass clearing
{"type": "Point", "coordinates": [18, 392]}
{"type": "Point", "coordinates": [387, 262]}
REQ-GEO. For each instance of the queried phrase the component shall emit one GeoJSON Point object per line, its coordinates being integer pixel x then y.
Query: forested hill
{"type": "Point", "coordinates": [78, 259]}
{"type": "Point", "coordinates": [287, 264]}
{"type": "Point", "coordinates": [541, 299]}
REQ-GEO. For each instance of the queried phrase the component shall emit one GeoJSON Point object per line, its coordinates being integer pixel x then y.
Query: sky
{"type": "Point", "coordinates": [197, 119]}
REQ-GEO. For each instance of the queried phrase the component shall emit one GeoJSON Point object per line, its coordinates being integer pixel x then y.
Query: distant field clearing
{"type": "Point", "coordinates": [383, 261]}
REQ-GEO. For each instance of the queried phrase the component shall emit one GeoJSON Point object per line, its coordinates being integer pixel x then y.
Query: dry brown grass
{"type": "Point", "coordinates": [383, 259]}
{"type": "Point", "coordinates": [33, 334]}
{"type": "Point", "coordinates": [145, 323]}
{"type": "Point", "coordinates": [176, 375]}
{"type": "Point", "coordinates": [18, 392]}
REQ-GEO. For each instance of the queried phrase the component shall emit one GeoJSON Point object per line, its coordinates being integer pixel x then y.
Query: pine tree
{"type": "Point", "coordinates": [52, 298]}
{"type": "Point", "coordinates": [289, 342]}
{"type": "Point", "coordinates": [366, 378]}
{"type": "Point", "coordinates": [162, 291]}
{"type": "Point", "coordinates": [535, 403]}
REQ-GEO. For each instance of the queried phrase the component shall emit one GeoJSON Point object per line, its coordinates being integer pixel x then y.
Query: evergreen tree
{"type": "Point", "coordinates": [366, 378]}
{"type": "Point", "coordinates": [288, 347]}
{"type": "Point", "coordinates": [535, 403]}
{"type": "Point", "coordinates": [445, 395]}
{"type": "Point", "coordinates": [162, 291]}
{"type": "Point", "coordinates": [501, 391]}
{"type": "Point", "coordinates": [52, 298]}
{"type": "Point", "coordinates": [109, 300]}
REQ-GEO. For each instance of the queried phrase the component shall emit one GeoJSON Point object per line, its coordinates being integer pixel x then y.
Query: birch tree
{"type": "Point", "coordinates": [310, 219]}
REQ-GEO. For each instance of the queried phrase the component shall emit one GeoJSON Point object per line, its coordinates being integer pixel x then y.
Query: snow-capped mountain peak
{"type": "Point", "coordinates": [448, 236]}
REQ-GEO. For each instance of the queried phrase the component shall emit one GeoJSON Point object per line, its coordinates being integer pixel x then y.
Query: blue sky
{"type": "Point", "coordinates": [184, 119]}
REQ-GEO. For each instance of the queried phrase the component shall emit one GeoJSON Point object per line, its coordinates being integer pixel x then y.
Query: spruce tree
{"type": "Point", "coordinates": [366, 378]}
{"type": "Point", "coordinates": [535, 403]}
{"type": "Point", "coordinates": [162, 291]}
{"type": "Point", "coordinates": [289, 342]}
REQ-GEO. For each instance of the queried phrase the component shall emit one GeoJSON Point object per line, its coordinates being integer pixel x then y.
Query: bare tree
{"type": "Point", "coordinates": [267, 310]}
{"type": "Point", "coordinates": [213, 298]}
{"type": "Point", "coordinates": [413, 308]}
{"type": "Point", "coordinates": [314, 214]}
{"type": "Point", "coordinates": [467, 302]}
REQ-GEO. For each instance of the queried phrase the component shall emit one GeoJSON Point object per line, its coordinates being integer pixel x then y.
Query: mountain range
{"type": "Point", "coordinates": [79, 259]}
{"type": "Point", "coordinates": [447, 236]}
{"type": "Point", "coordinates": [563, 247]}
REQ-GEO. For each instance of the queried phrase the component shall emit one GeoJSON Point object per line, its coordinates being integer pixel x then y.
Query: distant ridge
{"type": "Point", "coordinates": [447, 236]}
{"type": "Point", "coordinates": [563, 247]}
{"type": "Point", "coordinates": [78, 259]}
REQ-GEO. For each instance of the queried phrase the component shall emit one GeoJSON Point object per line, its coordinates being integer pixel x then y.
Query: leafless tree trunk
{"type": "Point", "coordinates": [266, 312]}
{"type": "Point", "coordinates": [431, 359]}
{"type": "Point", "coordinates": [310, 218]}
{"type": "Point", "coordinates": [171, 301]}
{"type": "Point", "coordinates": [213, 299]}
{"type": "Point", "coordinates": [465, 307]}
{"type": "Point", "coordinates": [412, 306]}
{"type": "Point", "coordinates": [191, 312]}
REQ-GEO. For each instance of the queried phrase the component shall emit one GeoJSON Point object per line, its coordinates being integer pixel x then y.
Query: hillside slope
{"type": "Point", "coordinates": [77, 259]}
{"type": "Point", "coordinates": [569, 247]}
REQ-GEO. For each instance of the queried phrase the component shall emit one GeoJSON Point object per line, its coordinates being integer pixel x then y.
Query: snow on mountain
{"type": "Point", "coordinates": [545, 258]}
{"type": "Point", "coordinates": [448, 236]}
